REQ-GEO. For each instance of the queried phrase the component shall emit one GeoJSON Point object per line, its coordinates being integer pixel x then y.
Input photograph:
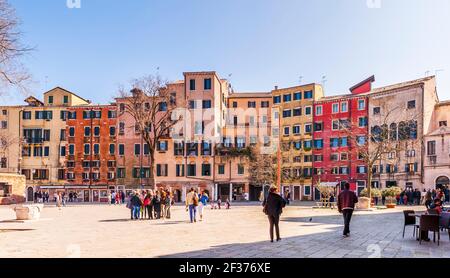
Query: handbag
{"type": "Point", "coordinates": [195, 201]}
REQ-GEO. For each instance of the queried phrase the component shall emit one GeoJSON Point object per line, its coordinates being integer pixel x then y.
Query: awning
{"type": "Point", "coordinates": [329, 184]}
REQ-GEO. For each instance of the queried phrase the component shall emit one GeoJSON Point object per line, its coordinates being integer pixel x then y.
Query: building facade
{"type": "Point", "coordinates": [437, 148]}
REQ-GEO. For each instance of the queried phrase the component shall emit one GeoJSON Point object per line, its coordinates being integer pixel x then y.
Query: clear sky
{"type": "Point", "coordinates": [262, 43]}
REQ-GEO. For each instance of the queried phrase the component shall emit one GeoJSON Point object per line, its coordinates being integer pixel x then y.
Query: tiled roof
{"type": "Point", "coordinates": [250, 95]}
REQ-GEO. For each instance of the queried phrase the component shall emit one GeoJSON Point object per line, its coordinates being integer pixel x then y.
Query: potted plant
{"type": "Point", "coordinates": [375, 192]}
{"type": "Point", "coordinates": [390, 193]}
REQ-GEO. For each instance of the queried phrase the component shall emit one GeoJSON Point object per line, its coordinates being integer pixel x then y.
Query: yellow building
{"type": "Point", "coordinates": [292, 133]}
{"type": "Point", "coordinates": [39, 132]}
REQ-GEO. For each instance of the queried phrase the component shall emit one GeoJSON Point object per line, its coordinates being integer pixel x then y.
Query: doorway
{"type": "Point", "coordinates": [95, 196]}
{"type": "Point", "coordinates": [86, 196]}
{"type": "Point", "coordinates": [30, 194]}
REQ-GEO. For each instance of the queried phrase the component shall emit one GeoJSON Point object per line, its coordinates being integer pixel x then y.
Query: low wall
{"type": "Point", "coordinates": [14, 189]}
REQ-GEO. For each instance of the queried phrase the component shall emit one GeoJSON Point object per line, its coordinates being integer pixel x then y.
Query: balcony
{"type": "Point", "coordinates": [34, 140]}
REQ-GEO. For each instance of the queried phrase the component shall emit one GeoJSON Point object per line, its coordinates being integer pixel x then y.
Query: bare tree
{"type": "Point", "coordinates": [262, 168]}
{"type": "Point", "coordinates": [6, 140]}
{"type": "Point", "coordinates": [152, 107]}
{"type": "Point", "coordinates": [12, 71]}
{"type": "Point", "coordinates": [394, 132]}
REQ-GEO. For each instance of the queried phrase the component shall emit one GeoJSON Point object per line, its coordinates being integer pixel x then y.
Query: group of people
{"type": "Point", "coordinates": [196, 202]}
{"type": "Point", "coordinates": [150, 204]}
{"type": "Point", "coordinates": [116, 198]}
{"type": "Point", "coordinates": [41, 197]}
{"type": "Point", "coordinates": [426, 197]}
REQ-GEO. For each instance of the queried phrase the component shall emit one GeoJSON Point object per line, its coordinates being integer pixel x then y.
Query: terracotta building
{"type": "Point", "coordinates": [91, 151]}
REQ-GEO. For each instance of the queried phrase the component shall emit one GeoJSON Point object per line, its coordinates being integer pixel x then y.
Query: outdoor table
{"type": "Point", "coordinates": [422, 235]}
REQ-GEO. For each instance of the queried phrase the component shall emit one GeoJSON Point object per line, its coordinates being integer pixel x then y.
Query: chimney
{"type": "Point", "coordinates": [276, 87]}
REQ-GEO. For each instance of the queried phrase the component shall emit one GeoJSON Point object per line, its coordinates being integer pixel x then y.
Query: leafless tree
{"type": "Point", "coordinates": [262, 169]}
{"type": "Point", "coordinates": [394, 132]}
{"type": "Point", "coordinates": [152, 107]}
{"type": "Point", "coordinates": [12, 71]}
{"type": "Point", "coordinates": [6, 140]}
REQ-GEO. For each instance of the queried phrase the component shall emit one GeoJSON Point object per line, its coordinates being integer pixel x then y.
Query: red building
{"type": "Point", "coordinates": [91, 151]}
{"type": "Point", "coordinates": [341, 122]}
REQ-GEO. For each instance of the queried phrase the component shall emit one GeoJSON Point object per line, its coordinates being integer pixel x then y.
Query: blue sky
{"type": "Point", "coordinates": [262, 43]}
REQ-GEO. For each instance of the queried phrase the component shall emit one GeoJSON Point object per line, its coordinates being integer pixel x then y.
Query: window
{"type": "Point", "coordinates": [112, 131]}
{"type": "Point", "coordinates": [343, 170]}
{"type": "Point", "coordinates": [4, 125]}
{"type": "Point", "coordinates": [287, 98]}
{"type": "Point", "coordinates": [431, 148]}
{"type": "Point", "coordinates": [206, 104]}
{"type": "Point", "coordinates": [298, 96]}
{"type": "Point", "coordinates": [162, 106]}
{"type": "Point", "coordinates": [206, 148]}
{"type": "Point", "coordinates": [319, 110]}
{"type": "Point", "coordinates": [178, 148]}
{"type": "Point", "coordinates": [112, 114]}
{"type": "Point", "coordinates": [198, 128]}
{"type": "Point", "coordinates": [63, 115]}
{"type": "Point", "coordinates": [162, 146]}
{"type": "Point", "coordinates": [411, 104]}
{"type": "Point", "coordinates": [121, 149]}
{"type": "Point", "coordinates": [308, 128]}
{"type": "Point", "coordinates": [343, 141]}
{"type": "Point", "coordinates": [308, 95]}
{"type": "Point", "coordinates": [221, 169]}
{"type": "Point", "coordinates": [307, 158]}
{"type": "Point", "coordinates": [376, 110]}
{"type": "Point", "coordinates": [4, 162]}
{"type": "Point", "coordinates": [361, 104]}
{"type": "Point", "coordinates": [179, 169]}
{"type": "Point", "coordinates": [361, 140]}
{"type": "Point", "coordinates": [121, 173]}
{"type": "Point", "coordinates": [307, 144]}
{"type": "Point", "coordinates": [361, 169]}
{"type": "Point", "coordinates": [308, 110]}
{"type": "Point", "coordinates": [112, 149]}
{"type": "Point", "coordinates": [297, 112]}
{"type": "Point", "coordinates": [70, 175]}
{"type": "Point", "coordinates": [296, 129]}
{"type": "Point", "coordinates": [192, 104]}
{"type": "Point", "coordinates": [235, 104]}
{"type": "Point", "coordinates": [43, 115]}
{"type": "Point", "coordinates": [334, 142]}
{"type": "Point", "coordinates": [276, 99]}
{"type": "Point", "coordinates": [335, 108]}
{"type": "Point", "coordinates": [334, 157]}
{"type": "Point", "coordinates": [192, 84]}
{"type": "Point", "coordinates": [96, 149]}
{"type": "Point", "coordinates": [161, 170]}
{"type": "Point", "coordinates": [87, 131]}
{"type": "Point", "coordinates": [286, 131]}
{"type": "Point", "coordinates": [264, 104]}
{"type": "Point", "coordinates": [344, 156]}
{"type": "Point", "coordinates": [72, 115]}
{"type": "Point", "coordinates": [318, 144]}
{"type": "Point", "coordinates": [62, 151]}
{"type": "Point", "coordinates": [318, 158]}
{"type": "Point", "coordinates": [410, 153]}
{"type": "Point", "coordinates": [411, 167]}
{"type": "Point", "coordinates": [241, 169]}
{"type": "Point", "coordinates": [318, 126]}
{"type": "Point", "coordinates": [287, 113]}
{"type": "Point", "coordinates": [50, 99]}
{"type": "Point", "coordinates": [442, 123]}
{"type": "Point", "coordinates": [307, 190]}
{"type": "Point", "coordinates": [137, 149]}
{"type": "Point", "coordinates": [206, 170]}
{"type": "Point", "coordinates": [344, 107]}
{"type": "Point", "coordinates": [87, 149]}
{"type": "Point", "coordinates": [37, 152]}
{"type": "Point", "coordinates": [207, 84]}
{"type": "Point", "coordinates": [192, 149]}
{"type": "Point", "coordinates": [252, 104]}
{"type": "Point", "coordinates": [191, 170]}
{"type": "Point", "coordinates": [363, 122]}
{"type": "Point", "coordinates": [240, 142]}
{"type": "Point", "coordinates": [297, 145]}
{"type": "Point", "coordinates": [26, 115]}
{"type": "Point", "coordinates": [4, 112]}
{"type": "Point", "coordinates": [97, 131]}
{"type": "Point", "coordinates": [71, 149]}
{"type": "Point", "coordinates": [65, 99]}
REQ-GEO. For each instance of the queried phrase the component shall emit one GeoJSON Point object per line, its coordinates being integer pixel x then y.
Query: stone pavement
{"type": "Point", "coordinates": [91, 231]}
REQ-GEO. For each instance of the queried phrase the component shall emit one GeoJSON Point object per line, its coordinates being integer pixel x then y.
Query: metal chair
{"type": "Point", "coordinates": [410, 220]}
{"type": "Point", "coordinates": [430, 223]}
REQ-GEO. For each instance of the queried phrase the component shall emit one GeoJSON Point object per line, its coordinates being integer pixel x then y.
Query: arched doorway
{"type": "Point", "coordinates": [442, 181]}
{"type": "Point", "coordinates": [30, 194]}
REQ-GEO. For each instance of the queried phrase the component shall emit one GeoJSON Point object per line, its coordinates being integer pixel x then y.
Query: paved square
{"type": "Point", "coordinates": [91, 231]}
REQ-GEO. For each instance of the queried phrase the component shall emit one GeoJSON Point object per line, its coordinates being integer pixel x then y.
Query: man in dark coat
{"type": "Point", "coordinates": [273, 208]}
{"type": "Point", "coordinates": [346, 204]}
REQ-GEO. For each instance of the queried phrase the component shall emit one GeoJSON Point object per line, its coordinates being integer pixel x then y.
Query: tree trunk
{"type": "Point", "coordinates": [369, 187]}
{"type": "Point", "coordinates": [152, 170]}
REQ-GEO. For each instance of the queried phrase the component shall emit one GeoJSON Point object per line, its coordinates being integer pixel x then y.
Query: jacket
{"type": "Point", "coordinates": [274, 204]}
{"type": "Point", "coordinates": [136, 201]}
{"type": "Point", "coordinates": [190, 198]}
{"type": "Point", "coordinates": [347, 200]}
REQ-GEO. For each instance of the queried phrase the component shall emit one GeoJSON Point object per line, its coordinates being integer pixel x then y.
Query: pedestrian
{"type": "Point", "coordinates": [383, 200]}
{"type": "Point", "coordinates": [63, 199]}
{"type": "Point", "coordinates": [191, 204]}
{"type": "Point", "coordinates": [157, 205]}
{"type": "Point", "coordinates": [151, 213]}
{"type": "Point", "coordinates": [143, 211]}
{"type": "Point", "coordinates": [147, 201]}
{"type": "Point", "coordinates": [36, 196]}
{"type": "Point", "coordinates": [219, 203]}
{"type": "Point", "coordinates": [405, 199]}
{"type": "Point", "coordinates": [136, 204]}
{"type": "Point", "coordinates": [288, 197]}
{"type": "Point", "coordinates": [113, 198]}
{"type": "Point", "coordinates": [58, 200]}
{"type": "Point", "coordinates": [227, 204]}
{"type": "Point", "coordinates": [117, 198]}
{"type": "Point", "coordinates": [109, 197]}
{"type": "Point", "coordinates": [346, 205]}
{"type": "Point", "coordinates": [168, 204]}
{"type": "Point", "coordinates": [122, 195]}
{"type": "Point", "coordinates": [273, 207]}
{"type": "Point", "coordinates": [203, 202]}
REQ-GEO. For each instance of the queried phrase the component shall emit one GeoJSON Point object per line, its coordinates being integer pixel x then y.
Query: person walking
{"type": "Point", "coordinates": [203, 202]}
{"type": "Point", "coordinates": [346, 204]}
{"type": "Point", "coordinates": [273, 207]}
{"type": "Point", "coordinates": [147, 201]}
{"type": "Point", "coordinates": [191, 204]}
{"type": "Point", "coordinates": [163, 205]}
{"type": "Point", "coordinates": [58, 200]}
{"type": "Point", "coordinates": [109, 197]}
{"type": "Point", "coordinates": [219, 203]}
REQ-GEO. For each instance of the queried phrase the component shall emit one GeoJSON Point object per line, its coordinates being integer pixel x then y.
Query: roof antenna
{"type": "Point", "coordinates": [300, 79]}
{"type": "Point", "coordinates": [324, 80]}
{"type": "Point", "coordinates": [427, 73]}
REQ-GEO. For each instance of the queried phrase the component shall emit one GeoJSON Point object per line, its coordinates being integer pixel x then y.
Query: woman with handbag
{"type": "Point", "coordinates": [273, 208]}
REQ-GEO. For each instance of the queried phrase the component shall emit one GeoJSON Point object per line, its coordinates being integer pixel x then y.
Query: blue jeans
{"type": "Point", "coordinates": [136, 212]}
{"type": "Point", "coordinates": [192, 212]}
